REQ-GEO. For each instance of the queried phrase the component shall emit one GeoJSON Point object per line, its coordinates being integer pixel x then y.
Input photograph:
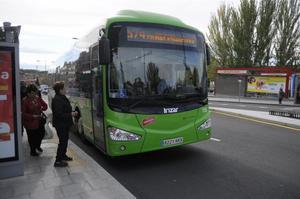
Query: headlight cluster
{"type": "Point", "coordinates": [121, 135]}
{"type": "Point", "coordinates": [205, 125]}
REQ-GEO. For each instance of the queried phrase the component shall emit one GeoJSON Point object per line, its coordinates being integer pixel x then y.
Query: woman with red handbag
{"type": "Point", "coordinates": [32, 108]}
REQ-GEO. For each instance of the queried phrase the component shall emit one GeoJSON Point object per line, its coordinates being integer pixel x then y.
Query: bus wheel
{"type": "Point", "coordinates": [74, 128]}
{"type": "Point", "coordinates": [81, 134]}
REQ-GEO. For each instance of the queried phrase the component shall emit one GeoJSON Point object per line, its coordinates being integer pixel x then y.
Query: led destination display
{"type": "Point", "coordinates": [163, 36]}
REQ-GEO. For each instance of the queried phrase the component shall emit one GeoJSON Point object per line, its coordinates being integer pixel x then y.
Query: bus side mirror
{"type": "Point", "coordinates": [104, 51]}
{"type": "Point", "coordinates": [207, 54]}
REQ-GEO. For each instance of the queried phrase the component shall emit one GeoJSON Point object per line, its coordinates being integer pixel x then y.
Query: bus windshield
{"type": "Point", "coordinates": [156, 66]}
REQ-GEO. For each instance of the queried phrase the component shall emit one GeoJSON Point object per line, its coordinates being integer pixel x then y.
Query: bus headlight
{"type": "Point", "coordinates": [205, 125]}
{"type": "Point", "coordinates": [121, 135]}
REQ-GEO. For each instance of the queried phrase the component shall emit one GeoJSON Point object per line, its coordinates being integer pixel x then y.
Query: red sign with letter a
{"type": "Point", "coordinates": [6, 97]}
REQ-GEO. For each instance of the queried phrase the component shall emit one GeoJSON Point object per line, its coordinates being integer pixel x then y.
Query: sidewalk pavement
{"type": "Point", "coordinates": [262, 115]}
{"type": "Point", "coordinates": [82, 179]}
{"type": "Point", "coordinates": [285, 102]}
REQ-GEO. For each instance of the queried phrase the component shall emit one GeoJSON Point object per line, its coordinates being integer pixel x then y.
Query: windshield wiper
{"type": "Point", "coordinates": [153, 99]}
{"type": "Point", "coordinates": [188, 97]}
{"type": "Point", "coordinates": [166, 100]}
{"type": "Point", "coordinates": [122, 108]}
{"type": "Point", "coordinates": [134, 104]}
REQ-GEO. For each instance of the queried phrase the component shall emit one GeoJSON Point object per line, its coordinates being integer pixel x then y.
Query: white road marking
{"type": "Point", "coordinates": [241, 105]}
{"type": "Point", "coordinates": [262, 107]}
{"type": "Point", "coordinates": [288, 109]}
{"type": "Point", "coordinates": [215, 139]}
{"type": "Point", "coordinates": [224, 104]}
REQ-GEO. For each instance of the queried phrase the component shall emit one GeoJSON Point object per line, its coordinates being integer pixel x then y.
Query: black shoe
{"type": "Point", "coordinates": [40, 150]}
{"type": "Point", "coordinates": [34, 153]}
{"type": "Point", "coordinates": [60, 164]}
{"type": "Point", "coordinates": [67, 158]}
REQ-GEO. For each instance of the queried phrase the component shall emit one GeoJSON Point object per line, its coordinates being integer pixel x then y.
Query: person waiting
{"type": "Point", "coordinates": [32, 107]}
{"type": "Point", "coordinates": [62, 121]}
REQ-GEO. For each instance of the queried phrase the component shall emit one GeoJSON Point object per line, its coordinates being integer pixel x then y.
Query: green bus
{"type": "Point", "coordinates": [139, 83]}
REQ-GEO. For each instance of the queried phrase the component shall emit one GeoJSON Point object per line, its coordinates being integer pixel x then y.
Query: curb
{"type": "Point", "coordinates": [295, 127]}
{"type": "Point", "coordinates": [281, 105]}
{"type": "Point", "coordinates": [121, 190]}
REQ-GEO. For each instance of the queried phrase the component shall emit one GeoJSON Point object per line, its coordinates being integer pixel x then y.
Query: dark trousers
{"type": "Point", "coordinates": [63, 136]}
{"type": "Point", "coordinates": [41, 136]}
{"type": "Point", "coordinates": [35, 137]}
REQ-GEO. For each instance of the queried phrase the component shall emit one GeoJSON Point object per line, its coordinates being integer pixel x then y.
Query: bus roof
{"type": "Point", "coordinates": [147, 17]}
{"type": "Point", "coordinates": [122, 16]}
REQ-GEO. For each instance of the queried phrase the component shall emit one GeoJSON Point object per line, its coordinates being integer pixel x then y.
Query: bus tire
{"type": "Point", "coordinates": [81, 132]}
{"type": "Point", "coordinates": [78, 128]}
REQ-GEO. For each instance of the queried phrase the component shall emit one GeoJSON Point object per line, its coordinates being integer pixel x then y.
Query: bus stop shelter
{"type": "Point", "coordinates": [11, 160]}
{"type": "Point", "coordinates": [249, 82]}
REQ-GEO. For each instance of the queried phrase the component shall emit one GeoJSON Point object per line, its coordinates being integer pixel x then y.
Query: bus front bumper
{"type": "Point", "coordinates": [121, 148]}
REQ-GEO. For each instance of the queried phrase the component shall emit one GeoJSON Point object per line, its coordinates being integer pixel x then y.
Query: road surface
{"type": "Point", "coordinates": [244, 159]}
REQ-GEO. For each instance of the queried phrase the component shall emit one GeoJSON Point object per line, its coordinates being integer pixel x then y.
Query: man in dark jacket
{"type": "Point", "coordinates": [281, 95]}
{"type": "Point", "coordinates": [62, 121]}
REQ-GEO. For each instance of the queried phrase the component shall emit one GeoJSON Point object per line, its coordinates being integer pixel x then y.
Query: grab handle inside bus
{"type": "Point", "coordinates": [104, 51]}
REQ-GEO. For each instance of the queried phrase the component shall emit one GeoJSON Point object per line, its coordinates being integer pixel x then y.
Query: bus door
{"type": "Point", "coordinates": [99, 138]}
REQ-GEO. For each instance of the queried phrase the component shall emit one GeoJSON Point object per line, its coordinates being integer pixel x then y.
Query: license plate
{"type": "Point", "coordinates": [172, 141]}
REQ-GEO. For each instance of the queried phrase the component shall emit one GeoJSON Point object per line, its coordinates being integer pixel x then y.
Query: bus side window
{"type": "Point", "coordinates": [97, 80]}
{"type": "Point", "coordinates": [100, 87]}
{"type": "Point", "coordinates": [97, 90]}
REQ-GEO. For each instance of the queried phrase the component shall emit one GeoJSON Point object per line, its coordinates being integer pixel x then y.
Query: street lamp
{"type": "Point", "coordinates": [75, 41]}
{"type": "Point", "coordinates": [44, 62]}
{"type": "Point", "coordinates": [46, 72]}
{"type": "Point", "coordinates": [240, 82]}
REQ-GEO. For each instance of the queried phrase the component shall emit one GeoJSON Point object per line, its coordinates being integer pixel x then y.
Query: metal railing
{"type": "Point", "coordinates": [289, 114]}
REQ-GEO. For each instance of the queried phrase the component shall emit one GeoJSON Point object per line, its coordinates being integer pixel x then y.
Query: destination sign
{"type": "Point", "coordinates": [163, 36]}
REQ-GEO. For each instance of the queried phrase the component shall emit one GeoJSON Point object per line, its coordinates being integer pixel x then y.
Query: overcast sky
{"type": "Point", "coordinates": [48, 26]}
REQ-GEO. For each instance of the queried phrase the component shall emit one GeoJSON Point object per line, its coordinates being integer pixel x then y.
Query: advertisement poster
{"type": "Point", "coordinates": [7, 119]}
{"type": "Point", "coordinates": [259, 84]}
